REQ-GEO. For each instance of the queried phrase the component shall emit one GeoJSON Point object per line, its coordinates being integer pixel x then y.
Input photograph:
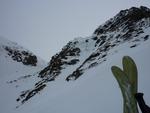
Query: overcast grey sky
{"type": "Point", "coordinates": [45, 26]}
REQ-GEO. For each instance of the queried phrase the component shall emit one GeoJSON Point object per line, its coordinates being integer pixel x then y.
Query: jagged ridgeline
{"type": "Point", "coordinates": [128, 26]}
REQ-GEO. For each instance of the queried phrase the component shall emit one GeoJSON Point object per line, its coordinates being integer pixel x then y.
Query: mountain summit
{"type": "Point", "coordinates": [129, 27]}
{"type": "Point", "coordinates": [125, 19]}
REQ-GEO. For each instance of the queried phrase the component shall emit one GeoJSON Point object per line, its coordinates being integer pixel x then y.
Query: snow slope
{"type": "Point", "coordinates": [96, 91]}
{"type": "Point", "coordinates": [15, 76]}
{"type": "Point", "coordinates": [128, 29]}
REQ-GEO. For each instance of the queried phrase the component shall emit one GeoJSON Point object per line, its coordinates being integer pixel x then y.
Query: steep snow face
{"type": "Point", "coordinates": [96, 91]}
{"type": "Point", "coordinates": [128, 29]}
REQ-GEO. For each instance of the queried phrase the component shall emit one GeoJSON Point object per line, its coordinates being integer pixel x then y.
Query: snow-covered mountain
{"type": "Point", "coordinates": [78, 79]}
{"type": "Point", "coordinates": [17, 65]}
{"type": "Point", "coordinates": [128, 26]}
{"type": "Point", "coordinates": [14, 55]}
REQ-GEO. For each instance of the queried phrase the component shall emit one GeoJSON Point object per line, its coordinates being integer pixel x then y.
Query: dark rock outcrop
{"type": "Point", "coordinates": [25, 57]}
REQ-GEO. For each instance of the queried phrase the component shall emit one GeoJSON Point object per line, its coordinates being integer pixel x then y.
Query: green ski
{"type": "Point", "coordinates": [127, 80]}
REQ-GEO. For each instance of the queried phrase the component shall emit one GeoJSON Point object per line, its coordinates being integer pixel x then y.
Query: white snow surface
{"type": "Point", "coordinates": [96, 91]}
{"type": "Point", "coordinates": [14, 76]}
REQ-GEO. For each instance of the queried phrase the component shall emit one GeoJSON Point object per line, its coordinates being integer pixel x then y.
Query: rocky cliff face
{"type": "Point", "coordinates": [129, 27]}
